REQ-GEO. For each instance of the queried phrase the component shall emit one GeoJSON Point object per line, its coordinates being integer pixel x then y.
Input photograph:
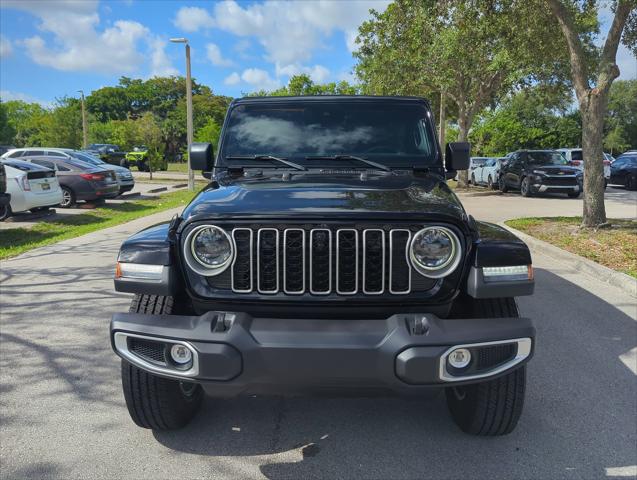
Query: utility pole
{"type": "Point", "coordinates": [189, 135]}
{"type": "Point", "coordinates": [84, 123]}
{"type": "Point", "coordinates": [441, 125]}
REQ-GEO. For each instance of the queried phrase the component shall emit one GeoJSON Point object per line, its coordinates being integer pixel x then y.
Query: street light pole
{"type": "Point", "coordinates": [189, 134]}
{"type": "Point", "coordinates": [84, 123]}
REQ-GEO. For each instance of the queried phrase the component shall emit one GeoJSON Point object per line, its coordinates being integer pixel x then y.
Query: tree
{"type": "Point", "coordinates": [7, 132]}
{"type": "Point", "coordinates": [150, 135]}
{"type": "Point", "coordinates": [302, 84]}
{"type": "Point", "coordinates": [593, 71]}
{"type": "Point", "coordinates": [474, 51]}
{"type": "Point", "coordinates": [620, 124]}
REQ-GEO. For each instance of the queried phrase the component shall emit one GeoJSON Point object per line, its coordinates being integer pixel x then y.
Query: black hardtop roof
{"type": "Point", "coordinates": [332, 98]}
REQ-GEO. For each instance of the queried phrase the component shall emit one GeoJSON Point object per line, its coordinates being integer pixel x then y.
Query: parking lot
{"type": "Point", "coordinates": [63, 410]}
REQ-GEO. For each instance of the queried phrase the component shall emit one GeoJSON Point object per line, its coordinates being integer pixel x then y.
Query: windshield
{"type": "Point", "coordinates": [86, 158]}
{"type": "Point", "coordinates": [397, 135]}
{"type": "Point", "coordinates": [546, 158]}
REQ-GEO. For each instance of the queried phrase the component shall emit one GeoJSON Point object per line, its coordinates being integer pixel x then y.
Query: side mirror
{"type": "Point", "coordinates": [201, 157]}
{"type": "Point", "coordinates": [457, 156]}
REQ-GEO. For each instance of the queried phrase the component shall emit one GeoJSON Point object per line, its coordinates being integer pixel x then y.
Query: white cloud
{"type": "Point", "coordinates": [160, 63]}
{"type": "Point", "coordinates": [232, 79]}
{"type": "Point", "coordinates": [290, 34]}
{"type": "Point", "coordinates": [6, 49]}
{"type": "Point", "coordinates": [318, 73]}
{"type": "Point", "coordinates": [260, 79]}
{"type": "Point", "coordinates": [72, 40]}
{"type": "Point", "coordinates": [8, 95]}
{"type": "Point", "coordinates": [214, 55]}
{"type": "Point", "coordinates": [192, 19]}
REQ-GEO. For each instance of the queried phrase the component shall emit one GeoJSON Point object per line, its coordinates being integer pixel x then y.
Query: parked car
{"type": "Point", "coordinates": [110, 153]}
{"type": "Point", "coordinates": [79, 180]}
{"type": "Point", "coordinates": [474, 163]}
{"type": "Point", "coordinates": [320, 268]}
{"type": "Point", "coordinates": [623, 171]}
{"type": "Point", "coordinates": [138, 157]}
{"type": "Point", "coordinates": [488, 173]}
{"type": "Point", "coordinates": [5, 198]}
{"type": "Point", "coordinates": [123, 175]}
{"type": "Point", "coordinates": [31, 187]}
{"type": "Point", "coordinates": [540, 171]}
{"type": "Point", "coordinates": [575, 158]}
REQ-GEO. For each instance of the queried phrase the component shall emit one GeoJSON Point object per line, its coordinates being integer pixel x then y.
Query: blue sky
{"type": "Point", "coordinates": [52, 48]}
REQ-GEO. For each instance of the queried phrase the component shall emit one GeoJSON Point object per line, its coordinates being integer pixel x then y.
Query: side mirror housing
{"type": "Point", "coordinates": [458, 156]}
{"type": "Point", "coordinates": [201, 157]}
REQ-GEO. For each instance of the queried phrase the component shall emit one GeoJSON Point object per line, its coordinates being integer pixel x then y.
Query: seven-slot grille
{"type": "Point", "coordinates": [321, 261]}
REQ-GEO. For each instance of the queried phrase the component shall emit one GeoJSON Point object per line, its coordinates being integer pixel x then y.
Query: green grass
{"type": "Point", "coordinates": [19, 240]}
{"type": "Point", "coordinates": [178, 167]}
{"type": "Point", "coordinates": [614, 247]}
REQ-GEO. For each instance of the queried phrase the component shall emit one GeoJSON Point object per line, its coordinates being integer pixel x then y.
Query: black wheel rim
{"type": "Point", "coordinates": [460, 393]}
{"type": "Point", "coordinates": [4, 210]}
{"type": "Point", "coordinates": [187, 388]}
{"type": "Point", "coordinates": [525, 186]}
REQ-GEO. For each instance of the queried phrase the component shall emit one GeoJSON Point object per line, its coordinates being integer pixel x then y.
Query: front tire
{"type": "Point", "coordinates": [631, 183]}
{"type": "Point", "coordinates": [492, 407]}
{"type": "Point", "coordinates": [155, 402]}
{"type": "Point", "coordinates": [525, 187]}
{"type": "Point", "coordinates": [573, 194]}
{"type": "Point", "coordinates": [490, 183]}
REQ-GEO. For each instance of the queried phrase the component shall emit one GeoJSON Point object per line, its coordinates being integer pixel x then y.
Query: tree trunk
{"type": "Point", "coordinates": [463, 134]}
{"type": "Point", "coordinates": [594, 213]}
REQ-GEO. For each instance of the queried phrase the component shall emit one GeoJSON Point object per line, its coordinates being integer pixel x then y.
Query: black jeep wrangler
{"type": "Point", "coordinates": [327, 255]}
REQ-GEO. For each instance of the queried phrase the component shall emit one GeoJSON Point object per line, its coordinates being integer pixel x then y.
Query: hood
{"type": "Point", "coordinates": [319, 195]}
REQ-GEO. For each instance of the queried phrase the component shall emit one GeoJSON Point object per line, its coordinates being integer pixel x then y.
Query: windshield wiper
{"type": "Point", "coordinates": [266, 158]}
{"type": "Point", "coordinates": [379, 166]}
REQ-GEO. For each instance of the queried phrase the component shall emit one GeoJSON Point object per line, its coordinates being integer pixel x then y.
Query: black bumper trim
{"type": "Point", "coordinates": [301, 353]}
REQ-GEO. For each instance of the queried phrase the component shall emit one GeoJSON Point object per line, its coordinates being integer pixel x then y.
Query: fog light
{"type": "Point", "coordinates": [459, 358]}
{"type": "Point", "coordinates": [180, 354]}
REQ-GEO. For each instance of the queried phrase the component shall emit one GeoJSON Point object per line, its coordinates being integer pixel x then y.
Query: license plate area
{"type": "Point", "coordinates": [45, 186]}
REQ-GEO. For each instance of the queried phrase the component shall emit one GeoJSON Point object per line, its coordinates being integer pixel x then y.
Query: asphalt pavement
{"type": "Point", "coordinates": [62, 413]}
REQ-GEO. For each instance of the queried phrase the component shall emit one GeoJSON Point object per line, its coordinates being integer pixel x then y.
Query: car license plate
{"type": "Point", "coordinates": [46, 186]}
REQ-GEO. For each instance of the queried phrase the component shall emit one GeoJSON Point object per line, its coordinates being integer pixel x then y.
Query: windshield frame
{"type": "Point", "coordinates": [432, 161]}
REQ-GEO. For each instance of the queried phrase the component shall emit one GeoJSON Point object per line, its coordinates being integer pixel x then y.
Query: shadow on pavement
{"type": "Point", "coordinates": [578, 418]}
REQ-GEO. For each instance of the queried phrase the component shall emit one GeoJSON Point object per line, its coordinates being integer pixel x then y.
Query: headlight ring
{"type": "Point", "coordinates": [448, 263]}
{"type": "Point", "coordinates": [196, 259]}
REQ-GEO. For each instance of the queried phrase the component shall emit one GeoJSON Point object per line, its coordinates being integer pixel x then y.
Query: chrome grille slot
{"type": "Point", "coordinates": [320, 261]}
{"type": "Point", "coordinates": [346, 261]}
{"type": "Point", "coordinates": [399, 268]}
{"type": "Point", "coordinates": [294, 261]}
{"type": "Point", "coordinates": [373, 262]}
{"type": "Point", "coordinates": [268, 260]}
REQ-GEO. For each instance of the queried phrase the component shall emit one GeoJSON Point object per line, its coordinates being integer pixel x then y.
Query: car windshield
{"type": "Point", "coordinates": [393, 134]}
{"type": "Point", "coordinates": [86, 158]}
{"type": "Point", "coordinates": [546, 158]}
{"type": "Point", "coordinates": [24, 166]}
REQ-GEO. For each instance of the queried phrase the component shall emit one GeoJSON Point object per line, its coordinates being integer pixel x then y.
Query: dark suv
{"type": "Point", "coordinates": [326, 255]}
{"type": "Point", "coordinates": [540, 171]}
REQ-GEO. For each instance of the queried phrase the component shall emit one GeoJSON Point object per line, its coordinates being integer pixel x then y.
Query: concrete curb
{"type": "Point", "coordinates": [159, 189]}
{"type": "Point", "coordinates": [124, 196]}
{"type": "Point", "coordinates": [583, 265]}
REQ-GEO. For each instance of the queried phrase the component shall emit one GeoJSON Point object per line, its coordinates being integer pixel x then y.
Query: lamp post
{"type": "Point", "coordinates": [84, 123]}
{"type": "Point", "coordinates": [191, 175]}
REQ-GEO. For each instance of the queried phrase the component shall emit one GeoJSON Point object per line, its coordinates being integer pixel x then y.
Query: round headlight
{"type": "Point", "coordinates": [210, 247]}
{"type": "Point", "coordinates": [435, 251]}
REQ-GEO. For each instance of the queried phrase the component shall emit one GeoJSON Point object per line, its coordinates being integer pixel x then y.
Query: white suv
{"type": "Point", "coordinates": [576, 159]}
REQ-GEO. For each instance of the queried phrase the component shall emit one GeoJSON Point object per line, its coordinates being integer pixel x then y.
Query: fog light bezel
{"type": "Point", "coordinates": [463, 365]}
{"type": "Point", "coordinates": [120, 343]}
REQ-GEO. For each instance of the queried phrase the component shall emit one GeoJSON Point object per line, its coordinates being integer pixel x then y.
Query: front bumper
{"type": "Point", "coordinates": [235, 353]}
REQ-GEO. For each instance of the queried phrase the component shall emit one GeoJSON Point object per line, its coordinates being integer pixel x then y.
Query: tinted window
{"type": "Point", "coordinates": [545, 158]}
{"type": "Point", "coordinates": [15, 154]}
{"type": "Point", "coordinates": [393, 134]}
{"type": "Point", "coordinates": [55, 154]}
{"type": "Point", "coordinates": [34, 153]}
{"type": "Point", "coordinates": [576, 155]}
{"type": "Point", "coordinates": [80, 165]}
{"type": "Point", "coordinates": [44, 163]}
